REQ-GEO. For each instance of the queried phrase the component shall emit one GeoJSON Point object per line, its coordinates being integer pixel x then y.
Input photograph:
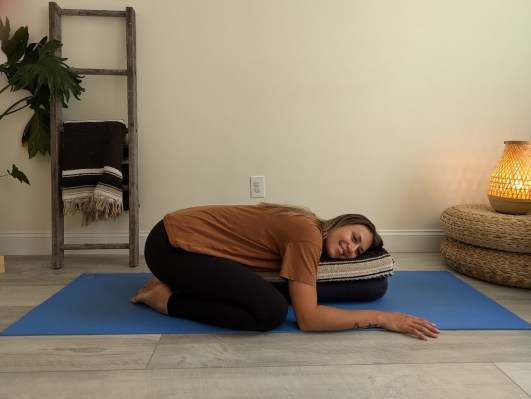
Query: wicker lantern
{"type": "Point", "coordinates": [510, 182]}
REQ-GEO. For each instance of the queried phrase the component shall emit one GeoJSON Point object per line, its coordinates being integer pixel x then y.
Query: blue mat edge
{"type": "Point", "coordinates": [456, 279]}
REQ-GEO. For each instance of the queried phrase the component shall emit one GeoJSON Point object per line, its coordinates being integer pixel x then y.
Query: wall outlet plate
{"type": "Point", "coordinates": [257, 186]}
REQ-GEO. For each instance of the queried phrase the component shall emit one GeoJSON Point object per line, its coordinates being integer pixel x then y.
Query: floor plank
{"type": "Point", "coordinates": [356, 347]}
{"type": "Point", "coordinates": [37, 270]}
{"type": "Point", "coordinates": [520, 373]}
{"type": "Point", "coordinates": [67, 353]}
{"type": "Point", "coordinates": [432, 381]}
{"type": "Point", "coordinates": [26, 295]}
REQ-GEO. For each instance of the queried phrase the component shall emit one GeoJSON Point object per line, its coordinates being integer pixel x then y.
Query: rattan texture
{"type": "Point", "coordinates": [480, 225]}
{"type": "Point", "coordinates": [500, 267]}
{"type": "Point", "coordinates": [511, 176]}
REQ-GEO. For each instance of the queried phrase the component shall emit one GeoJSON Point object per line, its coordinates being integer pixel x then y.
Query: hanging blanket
{"type": "Point", "coordinates": [92, 180]}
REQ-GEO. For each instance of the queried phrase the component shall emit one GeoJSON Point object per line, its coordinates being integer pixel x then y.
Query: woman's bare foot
{"type": "Point", "coordinates": [156, 297]}
{"type": "Point", "coordinates": [153, 281]}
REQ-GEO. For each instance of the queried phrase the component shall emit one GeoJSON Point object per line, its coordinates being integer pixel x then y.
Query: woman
{"type": "Point", "coordinates": [203, 258]}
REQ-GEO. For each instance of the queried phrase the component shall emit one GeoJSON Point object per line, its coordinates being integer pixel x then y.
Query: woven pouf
{"type": "Point", "coordinates": [480, 225]}
{"type": "Point", "coordinates": [488, 245]}
{"type": "Point", "coordinates": [495, 266]}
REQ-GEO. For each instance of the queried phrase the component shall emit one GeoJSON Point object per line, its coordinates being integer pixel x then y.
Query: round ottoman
{"type": "Point", "coordinates": [484, 244]}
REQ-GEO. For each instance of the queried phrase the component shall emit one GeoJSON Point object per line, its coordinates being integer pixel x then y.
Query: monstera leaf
{"type": "Point", "coordinates": [36, 69]}
{"type": "Point", "coordinates": [48, 71]}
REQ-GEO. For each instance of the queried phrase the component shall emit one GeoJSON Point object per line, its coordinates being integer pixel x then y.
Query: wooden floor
{"type": "Point", "coordinates": [356, 364]}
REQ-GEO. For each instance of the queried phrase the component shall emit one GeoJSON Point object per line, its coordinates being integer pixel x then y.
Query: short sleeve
{"type": "Point", "coordinates": [300, 261]}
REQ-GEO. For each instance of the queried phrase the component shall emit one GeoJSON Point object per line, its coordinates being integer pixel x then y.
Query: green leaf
{"type": "Point", "coordinates": [15, 47]}
{"type": "Point", "coordinates": [50, 71]}
{"type": "Point", "coordinates": [37, 133]}
{"type": "Point", "coordinates": [4, 30]}
{"type": "Point", "coordinates": [18, 174]}
{"type": "Point", "coordinates": [40, 99]}
{"type": "Point", "coordinates": [31, 56]}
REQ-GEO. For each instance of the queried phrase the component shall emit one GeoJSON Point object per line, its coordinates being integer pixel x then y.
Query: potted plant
{"type": "Point", "coordinates": [35, 68]}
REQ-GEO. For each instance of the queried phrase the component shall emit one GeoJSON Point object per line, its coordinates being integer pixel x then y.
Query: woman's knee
{"type": "Point", "coordinates": [274, 315]}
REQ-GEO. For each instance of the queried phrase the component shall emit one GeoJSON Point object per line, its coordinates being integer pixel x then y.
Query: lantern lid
{"type": "Point", "coordinates": [515, 142]}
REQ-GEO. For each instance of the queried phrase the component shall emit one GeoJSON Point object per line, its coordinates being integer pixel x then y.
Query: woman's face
{"type": "Point", "coordinates": [348, 242]}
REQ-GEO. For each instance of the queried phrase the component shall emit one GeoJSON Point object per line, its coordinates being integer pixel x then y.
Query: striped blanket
{"type": "Point", "coordinates": [92, 179]}
{"type": "Point", "coordinates": [372, 264]}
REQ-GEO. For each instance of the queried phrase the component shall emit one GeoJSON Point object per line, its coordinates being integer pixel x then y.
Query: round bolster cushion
{"type": "Point", "coordinates": [344, 291]}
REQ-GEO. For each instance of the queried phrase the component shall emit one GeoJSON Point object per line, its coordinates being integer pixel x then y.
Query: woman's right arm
{"type": "Point", "coordinates": [314, 317]}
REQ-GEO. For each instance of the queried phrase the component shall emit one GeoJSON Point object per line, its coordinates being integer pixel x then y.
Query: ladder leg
{"type": "Point", "coordinates": [56, 112]}
{"type": "Point", "coordinates": [133, 137]}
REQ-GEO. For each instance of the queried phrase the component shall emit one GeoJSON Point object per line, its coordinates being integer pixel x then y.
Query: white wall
{"type": "Point", "coordinates": [391, 108]}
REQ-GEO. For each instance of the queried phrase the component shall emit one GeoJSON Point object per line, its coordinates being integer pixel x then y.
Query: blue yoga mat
{"type": "Point", "coordinates": [99, 304]}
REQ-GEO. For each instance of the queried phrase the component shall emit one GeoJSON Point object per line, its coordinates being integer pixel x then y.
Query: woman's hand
{"type": "Point", "coordinates": [405, 323]}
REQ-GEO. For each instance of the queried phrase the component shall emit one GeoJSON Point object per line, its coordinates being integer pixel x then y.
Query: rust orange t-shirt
{"type": "Point", "coordinates": [252, 236]}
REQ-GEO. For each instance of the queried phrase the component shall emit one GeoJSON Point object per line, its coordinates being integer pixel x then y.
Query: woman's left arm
{"type": "Point", "coordinates": [314, 317]}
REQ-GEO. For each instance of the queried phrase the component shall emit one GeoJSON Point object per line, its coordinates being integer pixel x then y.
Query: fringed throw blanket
{"type": "Point", "coordinates": [92, 180]}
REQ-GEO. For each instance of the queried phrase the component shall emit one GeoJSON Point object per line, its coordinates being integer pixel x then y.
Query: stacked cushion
{"type": "Point", "coordinates": [484, 244]}
{"type": "Point", "coordinates": [361, 279]}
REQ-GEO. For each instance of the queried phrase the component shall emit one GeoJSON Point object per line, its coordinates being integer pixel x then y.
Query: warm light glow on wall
{"type": "Point", "coordinates": [510, 182]}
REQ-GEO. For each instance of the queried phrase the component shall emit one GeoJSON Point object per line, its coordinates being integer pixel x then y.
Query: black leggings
{"type": "Point", "coordinates": [213, 290]}
{"type": "Point", "coordinates": [225, 293]}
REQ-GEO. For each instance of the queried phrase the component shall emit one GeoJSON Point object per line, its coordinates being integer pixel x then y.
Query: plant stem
{"type": "Point", "coordinates": [10, 109]}
{"type": "Point", "coordinates": [5, 88]}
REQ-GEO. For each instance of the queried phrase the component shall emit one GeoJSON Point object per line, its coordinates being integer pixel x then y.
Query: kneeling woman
{"type": "Point", "coordinates": [203, 258]}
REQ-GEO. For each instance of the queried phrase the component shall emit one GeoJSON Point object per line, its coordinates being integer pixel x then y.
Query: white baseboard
{"type": "Point", "coordinates": [41, 243]}
{"type": "Point", "coordinates": [412, 240]}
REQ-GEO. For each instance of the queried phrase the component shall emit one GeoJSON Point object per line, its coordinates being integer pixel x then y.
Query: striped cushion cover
{"type": "Point", "coordinates": [372, 264]}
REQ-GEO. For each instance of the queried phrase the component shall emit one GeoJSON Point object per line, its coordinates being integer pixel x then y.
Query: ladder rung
{"type": "Point", "coordinates": [61, 128]}
{"type": "Point", "coordinates": [93, 71]}
{"type": "Point", "coordinates": [95, 246]}
{"type": "Point", "coordinates": [92, 13]}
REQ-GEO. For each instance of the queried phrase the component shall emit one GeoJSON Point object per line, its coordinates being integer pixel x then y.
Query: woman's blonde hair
{"type": "Point", "coordinates": [327, 225]}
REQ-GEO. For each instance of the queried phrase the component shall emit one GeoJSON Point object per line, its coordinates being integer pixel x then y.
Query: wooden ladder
{"type": "Point", "coordinates": [56, 130]}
